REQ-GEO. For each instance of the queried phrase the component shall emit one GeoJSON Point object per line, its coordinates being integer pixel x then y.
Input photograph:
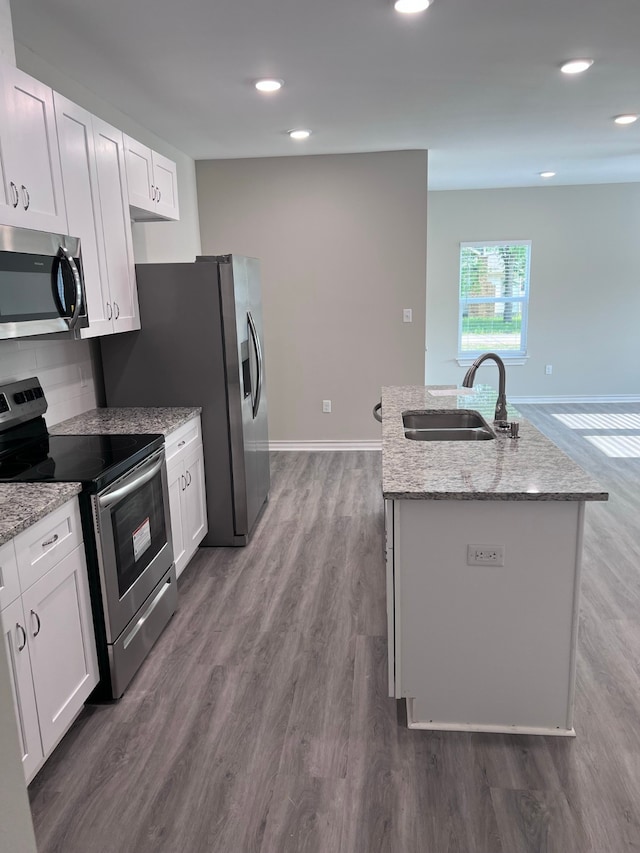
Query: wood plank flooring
{"type": "Point", "coordinates": [260, 722]}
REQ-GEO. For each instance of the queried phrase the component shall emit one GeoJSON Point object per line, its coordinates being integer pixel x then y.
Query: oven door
{"type": "Point", "coordinates": [133, 540]}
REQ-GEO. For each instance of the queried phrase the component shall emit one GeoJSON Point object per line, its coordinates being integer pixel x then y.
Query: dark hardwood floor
{"type": "Point", "coordinates": [261, 724]}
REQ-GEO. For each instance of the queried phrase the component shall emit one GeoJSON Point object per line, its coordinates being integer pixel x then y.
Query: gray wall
{"type": "Point", "coordinates": [341, 239]}
{"type": "Point", "coordinates": [585, 284]}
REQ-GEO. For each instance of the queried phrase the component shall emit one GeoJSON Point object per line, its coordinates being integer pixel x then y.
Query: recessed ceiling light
{"type": "Point", "coordinates": [547, 174]}
{"type": "Point", "coordinates": [300, 134]}
{"type": "Point", "coordinates": [576, 66]}
{"type": "Point", "coordinates": [628, 118]}
{"type": "Point", "coordinates": [409, 7]}
{"type": "Point", "coordinates": [268, 85]}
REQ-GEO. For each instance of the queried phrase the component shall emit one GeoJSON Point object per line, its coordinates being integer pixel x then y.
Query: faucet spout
{"type": "Point", "coordinates": [470, 375]}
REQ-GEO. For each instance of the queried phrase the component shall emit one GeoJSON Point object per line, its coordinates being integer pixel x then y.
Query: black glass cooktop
{"type": "Point", "coordinates": [93, 460]}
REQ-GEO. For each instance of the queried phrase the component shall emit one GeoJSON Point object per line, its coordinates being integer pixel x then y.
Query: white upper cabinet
{"type": "Point", "coordinates": [153, 184]}
{"type": "Point", "coordinates": [116, 225]}
{"type": "Point", "coordinates": [32, 194]}
{"type": "Point", "coordinates": [80, 176]}
{"type": "Point", "coordinates": [92, 157]}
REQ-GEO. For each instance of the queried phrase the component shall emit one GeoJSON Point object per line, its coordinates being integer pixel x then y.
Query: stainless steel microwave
{"type": "Point", "coordinates": [41, 284]}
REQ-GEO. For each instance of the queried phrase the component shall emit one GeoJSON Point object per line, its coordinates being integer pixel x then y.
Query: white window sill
{"type": "Point", "coordinates": [467, 360]}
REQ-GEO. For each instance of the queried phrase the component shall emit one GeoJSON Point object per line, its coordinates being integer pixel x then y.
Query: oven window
{"type": "Point", "coordinates": [139, 531]}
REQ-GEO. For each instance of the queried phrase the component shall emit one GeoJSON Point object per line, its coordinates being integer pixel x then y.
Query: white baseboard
{"type": "Point", "coordinates": [325, 445]}
{"type": "Point", "coordinates": [602, 399]}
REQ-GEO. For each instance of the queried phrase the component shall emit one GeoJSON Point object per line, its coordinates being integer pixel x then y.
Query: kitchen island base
{"type": "Point", "coordinates": [489, 648]}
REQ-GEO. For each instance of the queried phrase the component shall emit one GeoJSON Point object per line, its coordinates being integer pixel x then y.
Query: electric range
{"type": "Point", "coordinates": [124, 507]}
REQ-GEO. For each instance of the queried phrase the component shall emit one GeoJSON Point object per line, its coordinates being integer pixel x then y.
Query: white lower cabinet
{"type": "Point", "coordinates": [49, 640]}
{"type": "Point", "coordinates": [187, 498]}
{"type": "Point", "coordinates": [24, 699]}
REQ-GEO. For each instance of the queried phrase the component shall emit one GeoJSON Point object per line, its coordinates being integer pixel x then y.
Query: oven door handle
{"type": "Point", "coordinates": [144, 477]}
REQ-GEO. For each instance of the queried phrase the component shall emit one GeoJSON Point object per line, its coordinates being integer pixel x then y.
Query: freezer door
{"type": "Point", "coordinates": [244, 347]}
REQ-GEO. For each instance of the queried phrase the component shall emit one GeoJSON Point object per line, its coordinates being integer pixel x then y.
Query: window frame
{"type": "Point", "coordinates": [465, 357]}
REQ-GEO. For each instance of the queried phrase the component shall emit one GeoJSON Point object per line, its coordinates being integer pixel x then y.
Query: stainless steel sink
{"type": "Point", "coordinates": [455, 425]}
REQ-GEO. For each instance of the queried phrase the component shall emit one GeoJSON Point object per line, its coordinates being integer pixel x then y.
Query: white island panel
{"type": "Point", "coordinates": [487, 648]}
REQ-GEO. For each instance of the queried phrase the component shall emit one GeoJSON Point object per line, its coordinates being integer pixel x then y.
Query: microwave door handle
{"type": "Point", "coordinates": [65, 258]}
{"type": "Point", "coordinates": [117, 495]}
{"type": "Point", "coordinates": [258, 348]}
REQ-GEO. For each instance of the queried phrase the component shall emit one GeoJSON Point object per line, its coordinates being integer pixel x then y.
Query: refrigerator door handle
{"type": "Point", "coordinates": [256, 343]}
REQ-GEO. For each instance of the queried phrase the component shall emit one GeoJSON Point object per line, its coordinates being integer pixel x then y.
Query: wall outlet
{"type": "Point", "coordinates": [485, 555]}
{"type": "Point", "coordinates": [548, 369]}
{"type": "Point", "coordinates": [326, 406]}
{"type": "Point", "coordinates": [407, 315]}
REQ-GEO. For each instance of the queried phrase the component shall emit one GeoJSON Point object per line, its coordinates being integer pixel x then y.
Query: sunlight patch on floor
{"type": "Point", "coordinates": [600, 421]}
{"type": "Point", "coordinates": [620, 446]}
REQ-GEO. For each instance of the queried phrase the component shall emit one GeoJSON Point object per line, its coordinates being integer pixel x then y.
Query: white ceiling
{"type": "Point", "coordinates": [474, 81]}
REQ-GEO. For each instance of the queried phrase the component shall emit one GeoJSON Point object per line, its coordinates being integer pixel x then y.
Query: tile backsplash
{"type": "Point", "coordinates": [65, 368]}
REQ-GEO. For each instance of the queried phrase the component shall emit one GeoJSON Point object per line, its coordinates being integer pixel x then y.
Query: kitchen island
{"type": "Point", "coordinates": [483, 548]}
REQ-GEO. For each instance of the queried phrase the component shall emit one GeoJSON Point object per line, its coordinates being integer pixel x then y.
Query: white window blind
{"type": "Point", "coordinates": [494, 296]}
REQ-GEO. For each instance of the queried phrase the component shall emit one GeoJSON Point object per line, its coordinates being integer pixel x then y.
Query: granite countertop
{"type": "Point", "coordinates": [528, 468]}
{"type": "Point", "coordinates": [127, 420]}
{"type": "Point", "coordinates": [22, 504]}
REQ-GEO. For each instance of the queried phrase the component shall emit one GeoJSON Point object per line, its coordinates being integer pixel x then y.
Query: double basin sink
{"type": "Point", "coordinates": [454, 425]}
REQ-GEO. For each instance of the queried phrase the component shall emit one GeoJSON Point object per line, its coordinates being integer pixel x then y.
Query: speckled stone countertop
{"type": "Point", "coordinates": [127, 420]}
{"type": "Point", "coordinates": [22, 504]}
{"type": "Point", "coordinates": [528, 468]}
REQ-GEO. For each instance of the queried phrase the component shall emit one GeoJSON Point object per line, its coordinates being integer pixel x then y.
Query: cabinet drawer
{"type": "Point", "coordinates": [9, 583]}
{"type": "Point", "coordinates": [184, 438]}
{"type": "Point", "coordinates": [47, 541]}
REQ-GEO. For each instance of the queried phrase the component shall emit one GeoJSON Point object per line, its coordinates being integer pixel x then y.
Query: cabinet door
{"type": "Point", "coordinates": [33, 180]}
{"type": "Point", "coordinates": [116, 225]}
{"type": "Point", "coordinates": [195, 506]}
{"type": "Point", "coordinates": [78, 159]}
{"type": "Point", "coordinates": [177, 485]}
{"type": "Point", "coordinates": [24, 700]}
{"type": "Point", "coordinates": [61, 645]}
{"type": "Point", "coordinates": [165, 187]}
{"type": "Point", "coordinates": [139, 175]}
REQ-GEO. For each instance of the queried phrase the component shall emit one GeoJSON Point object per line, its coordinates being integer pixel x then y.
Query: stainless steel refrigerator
{"type": "Point", "coordinates": [201, 345]}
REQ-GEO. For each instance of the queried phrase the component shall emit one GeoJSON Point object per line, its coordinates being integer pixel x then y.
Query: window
{"type": "Point", "coordinates": [494, 296]}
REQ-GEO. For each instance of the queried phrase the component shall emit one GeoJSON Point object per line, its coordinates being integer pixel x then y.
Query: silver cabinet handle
{"type": "Point", "coordinates": [109, 311]}
{"type": "Point", "coordinates": [184, 482]}
{"type": "Point", "coordinates": [188, 478]}
{"type": "Point", "coordinates": [153, 193]}
{"type": "Point", "coordinates": [117, 309]}
{"type": "Point", "coordinates": [258, 348]}
{"type": "Point", "coordinates": [65, 258]}
{"type": "Point", "coordinates": [37, 631]}
{"type": "Point", "coordinates": [159, 194]}
{"type": "Point", "coordinates": [143, 476]}
{"type": "Point", "coordinates": [15, 194]}
{"type": "Point", "coordinates": [24, 636]}
{"type": "Point", "coordinates": [26, 197]}
{"type": "Point", "coordinates": [53, 539]}
{"type": "Point", "coordinates": [377, 411]}
{"type": "Point", "coordinates": [182, 443]}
